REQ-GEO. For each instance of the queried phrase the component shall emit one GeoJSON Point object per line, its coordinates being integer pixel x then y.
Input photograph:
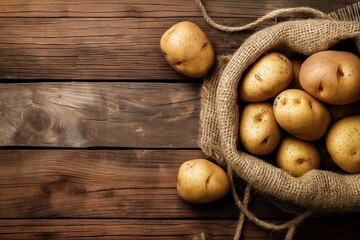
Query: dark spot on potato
{"type": "Point", "coordinates": [339, 72]}
{"type": "Point", "coordinates": [179, 62]}
{"type": "Point", "coordinates": [258, 78]}
{"type": "Point", "coordinates": [320, 87]}
{"type": "Point", "coordinates": [208, 179]}
{"type": "Point", "coordinates": [266, 140]}
{"type": "Point", "coordinates": [300, 160]}
{"type": "Point", "coordinates": [310, 105]}
{"type": "Point", "coordinates": [204, 45]}
{"type": "Point", "coordinates": [282, 57]}
{"type": "Point", "coordinates": [258, 117]}
{"type": "Point", "coordinates": [171, 30]}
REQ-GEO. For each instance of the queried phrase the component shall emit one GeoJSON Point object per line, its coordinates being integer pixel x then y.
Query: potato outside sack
{"type": "Point", "coordinates": [201, 181]}
{"type": "Point", "coordinates": [187, 49]}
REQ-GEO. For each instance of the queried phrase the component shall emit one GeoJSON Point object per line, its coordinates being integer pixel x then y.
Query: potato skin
{"type": "Point", "coordinates": [301, 115]}
{"type": "Point", "coordinates": [258, 130]}
{"type": "Point", "coordinates": [270, 75]}
{"type": "Point", "coordinates": [343, 143]}
{"type": "Point", "coordinates": [297, 157]}
{"type": "Point", "coordinates": [201, 181]}
{"type": "Point", "coordinates": [187, 49]}
{"type": "Point", "coordinates": [332, 77]}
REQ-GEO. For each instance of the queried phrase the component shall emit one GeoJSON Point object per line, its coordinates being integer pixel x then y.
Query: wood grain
{"type": "Point", "coordinates": [121, 44]}
{"type": "Point", "coordinates": [105, 184]}
{"type": "Point", "coordinates": [336, 228]}
{"type": "Point", "coordinates": [122, 114]}
{"type": "Point", "coordinates": [94, 48]}
{"type": "Point", "coordinates": [143, 8]}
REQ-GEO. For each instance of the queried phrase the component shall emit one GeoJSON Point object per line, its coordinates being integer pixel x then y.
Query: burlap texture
{"type": "Point", "coordinates": [322, 190]}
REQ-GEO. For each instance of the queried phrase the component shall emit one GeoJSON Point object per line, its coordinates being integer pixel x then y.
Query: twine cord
{"type": "Point", "coordinates": [243, 206]}
{"type": "Point", "coordinates": [271, 15]}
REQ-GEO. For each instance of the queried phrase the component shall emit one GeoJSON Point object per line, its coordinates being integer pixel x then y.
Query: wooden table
{"type": "Point", "coordinates": [94, 124]}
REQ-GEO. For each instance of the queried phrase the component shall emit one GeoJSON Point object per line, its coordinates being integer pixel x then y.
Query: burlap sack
{"type": "Point", "coordinates": [318, 190]}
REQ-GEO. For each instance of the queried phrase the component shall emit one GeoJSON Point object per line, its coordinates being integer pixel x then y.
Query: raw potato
{"type": "Point", "coordinates": [301, 115]}
{"type": "Point", "coordinates": [343, 143]}
{"type": "Point", "coordinates": [201, 181]}
{"type": "Point", "coordinates": [266, 78]}
{"type": "Point", "coordinates": [332, 77]}
{"type": "Point", "coordinates": [187, 49]}
{"type": "Point", "coordinates": [297, 157]}
{"type": "Point", "coordinates": [258, 130]}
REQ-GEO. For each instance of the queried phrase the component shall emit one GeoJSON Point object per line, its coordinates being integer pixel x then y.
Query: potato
{"type": "Point", "coordinates": [187, 49]}
{"type": "Point", "coordinates": [338, 112]}
{"type": "Point", "coordinates": [266, 78]}
{"type": "Point", "coordinates": [296, 156]}
{"type": "Point", "coordinates": [343, 143]}
{"type": "Point", "coordinates": [332, 77]}
{"type": "Point", "coordinates": [201, 181]}
{"type": "Point", "coordinates": [258, 130]}
{"type": "Point", "coordinates": [301, 115]}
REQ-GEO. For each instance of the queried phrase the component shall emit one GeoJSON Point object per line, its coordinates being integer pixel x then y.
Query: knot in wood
{"type": "Point", "coordinates": [36, 118]}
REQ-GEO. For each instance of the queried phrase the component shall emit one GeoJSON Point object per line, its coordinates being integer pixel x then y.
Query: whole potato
{"type": "Point", "coordinates": [258, 130]}
{"type": "Point", "coordinates": [187, 49]}
{"type": "Point", "coordinates": [343, 143]}
{"type": "Point", "coordinates": [301, 115]}
{"type": "Point", "coordinates": [297, 157]}
{"type": "Point", "coordinates": [332, 77]}
{"type": "Point", "coordinates": [201, 181]}
{"type": "Point", "coordinates": [270, 75]}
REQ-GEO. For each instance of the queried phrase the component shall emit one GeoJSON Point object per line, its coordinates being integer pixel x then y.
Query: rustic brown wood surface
{"type": "Point", "coordinates": [94, 124]}
{"type": "Point", "coordinates": [61, 41]}
{"type": "Point", "coordinates": [122, 114]}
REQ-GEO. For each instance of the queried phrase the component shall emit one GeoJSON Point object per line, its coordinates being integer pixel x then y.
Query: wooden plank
{"type": "Point", "coordinates": [106, 48]}
{"type": "Point", "coordinates": [102, 184]}
{"type": "Point", "coordinates": [336, 228]}
{"type": "Point", "coordinates": [121, 114]}
{"type": "Point", "coordinates": [105, 184]}
{"type": "Point", "coordinates": [114, 229]}
{"type": "Point", "coordinates": [143, 8]}
{"type": "Point", "coordinates": [94, 48]}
